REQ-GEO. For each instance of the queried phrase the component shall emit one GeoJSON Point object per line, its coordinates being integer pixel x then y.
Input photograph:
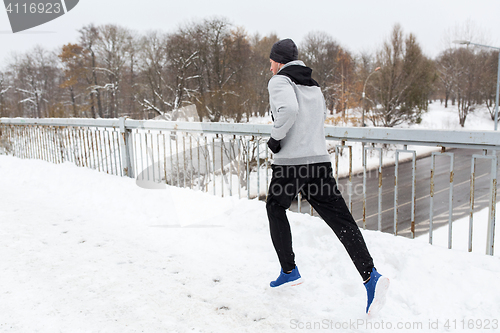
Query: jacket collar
{"type": "Point", "coordinates": [295, 62]}
{"type": "Point", "coordinates": [299, 73]}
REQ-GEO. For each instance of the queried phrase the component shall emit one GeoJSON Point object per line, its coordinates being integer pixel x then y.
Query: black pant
{"type": "Point", "coordinates": [318, 186]}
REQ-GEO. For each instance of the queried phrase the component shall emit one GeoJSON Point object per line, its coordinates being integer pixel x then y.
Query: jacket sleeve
{"type": "Point", "coordinates": [284, 104]}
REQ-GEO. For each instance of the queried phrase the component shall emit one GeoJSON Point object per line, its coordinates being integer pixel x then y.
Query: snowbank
{"type": "Point", "coordinates": [83, 251]}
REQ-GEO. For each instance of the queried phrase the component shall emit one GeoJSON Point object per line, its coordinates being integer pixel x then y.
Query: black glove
{"type": "Point", "coordinates": [274, 145]}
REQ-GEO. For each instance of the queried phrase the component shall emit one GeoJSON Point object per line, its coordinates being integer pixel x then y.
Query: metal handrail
{"type": "Point", "coordinates": [487, 139]}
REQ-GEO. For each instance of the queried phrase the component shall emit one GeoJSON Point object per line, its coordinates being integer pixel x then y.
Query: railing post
{"type": "Point", "coordinates": [125, 146]}
{"type": "Point", "coordinates": [490, 241]}
{"type": "Point", "coordinates": [379, 222]}
{"type": "Point", "coordinates": [490, 236]}
{"type": "Point", "coordinates": [413, 190]}
{"type": "Point", "coordinates": [340, 148]}
{"type": "Point", "coordinates": [450, 197]}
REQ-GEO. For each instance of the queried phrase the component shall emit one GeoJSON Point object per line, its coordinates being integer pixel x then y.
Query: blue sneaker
{"type": "Point", "coordinates": [376, 288]}
{"type": "Point", "coordinates": [292, 279]}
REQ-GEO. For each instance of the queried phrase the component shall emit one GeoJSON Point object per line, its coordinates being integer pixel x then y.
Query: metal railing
{"type": "Point", "coordinates": [232, 159]}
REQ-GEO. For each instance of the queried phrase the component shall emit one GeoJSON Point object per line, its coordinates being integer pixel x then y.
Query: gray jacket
{"type": "Point", "coordinates": [299, 112]}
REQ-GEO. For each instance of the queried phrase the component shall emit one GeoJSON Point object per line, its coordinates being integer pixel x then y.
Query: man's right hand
{"type": "Point", "coordinates": [274, 145]}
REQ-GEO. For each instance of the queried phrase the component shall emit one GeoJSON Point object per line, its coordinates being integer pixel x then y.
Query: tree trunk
{"type": "Point", "coordinates": [92, 105]}
{"type": "Point", "coordinates": [75, 114]}
{"type": "Point", "coordinates": [97, 93]}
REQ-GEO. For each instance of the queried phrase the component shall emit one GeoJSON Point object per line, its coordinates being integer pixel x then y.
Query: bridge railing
{"type": "Point", "coordinates": [231, 159]}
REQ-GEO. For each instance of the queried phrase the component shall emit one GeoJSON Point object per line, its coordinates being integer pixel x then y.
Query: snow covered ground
{"type": "Point", "coordinates": [82, 251]}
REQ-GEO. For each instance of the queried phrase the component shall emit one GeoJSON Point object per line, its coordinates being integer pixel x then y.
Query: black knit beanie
{"type": "Point", "coordinates": [284, 51]}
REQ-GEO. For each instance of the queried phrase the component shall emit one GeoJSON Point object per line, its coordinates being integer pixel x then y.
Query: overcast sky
{"type": "Point", "coordinates": [357, 25]}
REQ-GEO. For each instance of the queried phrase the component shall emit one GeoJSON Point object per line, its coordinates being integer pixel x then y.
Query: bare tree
{"type": "Point", "coordinates": [89, 36]}
{"type": "Point", "coordinates": [112, 46]}
{"type": "Point", "coordinates": [345, 78]}
{"type": "Point", "coordinates": [489, 80]}
{"type": "Point", "coordinates": [467, 78]}
{"type": "Point", "coordinates": [322, 53]}
{"type": "Point", "coordinates": [131, 75]}
{"type": "Point", "coordinates": [167, 67]}
{"type": "Point", "coordinates": [259, 75]}
{"type": "Point", "coordinates": [235, 91]}
{"type": "Point", "coordinates": [467, 72]}
{"type": "Point", "coordinates": [182, 56]}
{"type": "Point", "coordinates": [36, 82]}
{"type": "Point", "coordinates": [445, 65]}
{"type": "Point", "coordinates": [366, 66]}
{"type": "Point", "coordinates": [212, 66]}
{"type": "Point", "coordinates": [152, 64]}
{"type": "Point", "coordinates": [404, 82]}
{"type": "Point", "coordinates": [5, 87]}
{"type": "Point", "coordinates": [73, 58]}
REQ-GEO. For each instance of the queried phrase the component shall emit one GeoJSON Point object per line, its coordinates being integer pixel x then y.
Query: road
{"type": "Point", "coordinates": [461, 193]}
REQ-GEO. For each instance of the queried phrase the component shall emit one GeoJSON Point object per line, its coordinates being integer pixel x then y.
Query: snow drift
{"type": "Point", "coordinates": [83, 251]}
